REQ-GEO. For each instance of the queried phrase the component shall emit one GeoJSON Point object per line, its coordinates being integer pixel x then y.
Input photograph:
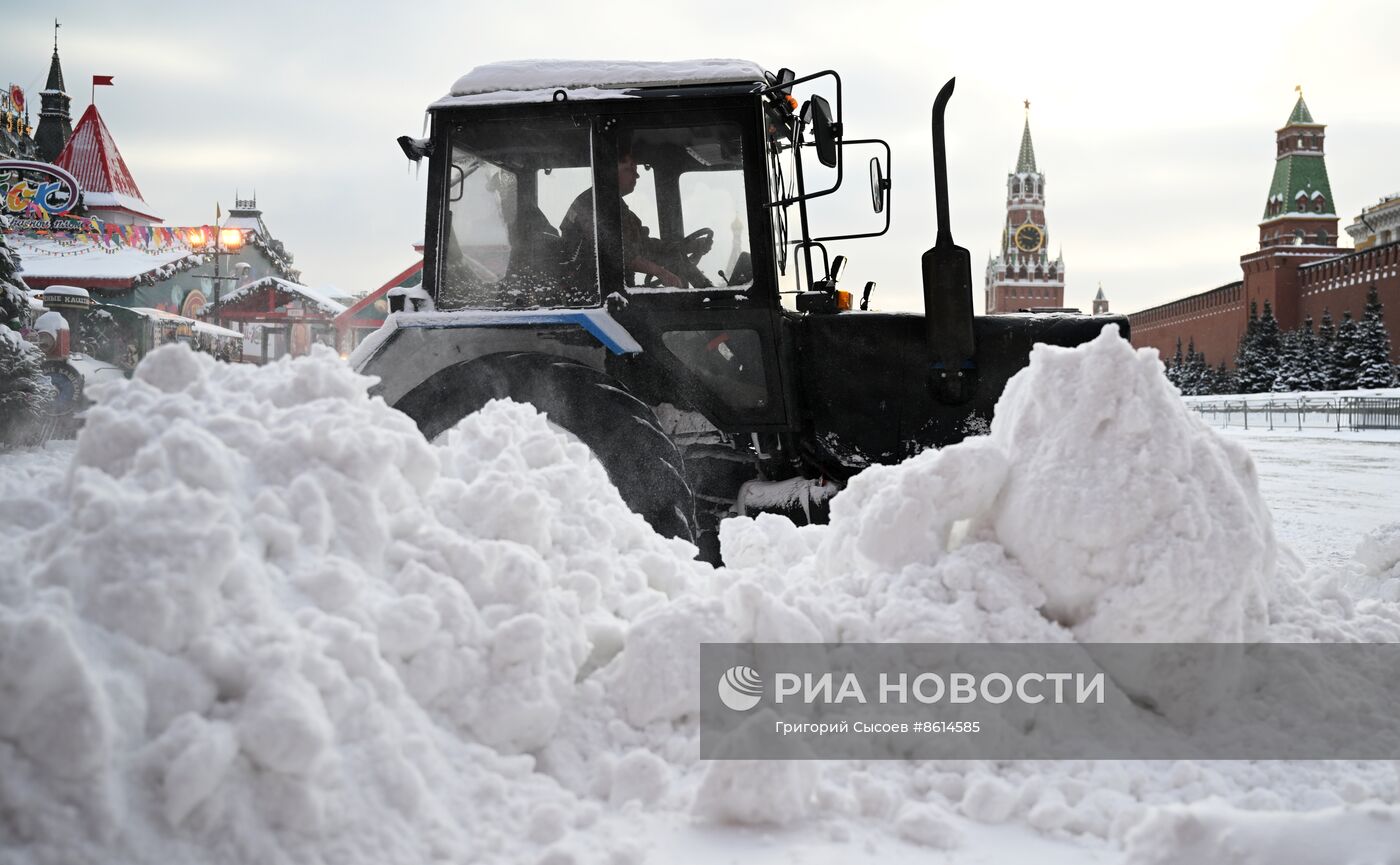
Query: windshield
{"type": "Point", "coordinates": [509, 186]}
{"type": "Point", "coordinates": [684, 208]}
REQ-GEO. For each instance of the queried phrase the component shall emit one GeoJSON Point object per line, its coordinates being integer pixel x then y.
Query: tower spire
{"type": "Point", "coordinates": [1300, 114]}
{"type": "Point", "coordinates": [1025, 160]}
{"type": "Point", "coordinates": [55, 124]}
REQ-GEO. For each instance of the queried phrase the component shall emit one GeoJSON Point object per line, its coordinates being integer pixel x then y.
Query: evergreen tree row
{"type": "Point", "coordinates": [1350, 356]}
{"type": "Point", "coordinates": [1193, 376]}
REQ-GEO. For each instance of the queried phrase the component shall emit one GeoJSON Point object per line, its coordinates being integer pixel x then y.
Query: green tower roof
{"type": "Point", "coordinates": [1300, 114]}
{"type": "Point", "coordinates": [1305, 173]}
{"type": "Point", "coordinates": [1296, 172]}
{"type": "Point", "coordinates": [1025, 161]}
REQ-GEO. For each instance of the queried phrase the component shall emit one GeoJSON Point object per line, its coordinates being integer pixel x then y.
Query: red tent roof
{"type": "Point", "coordinates": [93, 158]}
{"type": "Point", "coordinates": [347, 318]}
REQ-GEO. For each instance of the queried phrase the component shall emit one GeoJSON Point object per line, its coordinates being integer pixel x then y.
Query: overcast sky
{"type": "Point", "coordinates": [1153, 123]}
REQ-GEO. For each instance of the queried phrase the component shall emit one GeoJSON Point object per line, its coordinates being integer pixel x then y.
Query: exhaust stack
{"type": "Point", "coordinates": [947, 270]}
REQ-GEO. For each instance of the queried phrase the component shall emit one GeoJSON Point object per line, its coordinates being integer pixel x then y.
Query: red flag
{"type": "Point", "coordinates": [100, 80]}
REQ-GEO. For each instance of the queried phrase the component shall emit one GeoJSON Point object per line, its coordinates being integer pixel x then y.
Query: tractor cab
{"type": "Point", "coordinates": [659, 193]}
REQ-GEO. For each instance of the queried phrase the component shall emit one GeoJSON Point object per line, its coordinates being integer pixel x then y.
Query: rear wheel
{"type": "Point", "coordinates": [620, 430]}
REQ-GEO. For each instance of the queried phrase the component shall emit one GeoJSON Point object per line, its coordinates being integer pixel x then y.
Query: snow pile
{"type": "Point", "coordinates": [1122, 505]}
{"type": "Point", "coordinates": [1212, 832]}
{"type": "Point", "coordinates": [269, 622]}
{"type": "Point", "coordinates": [1097, 510]}
{"type": "Point", "coordinates": [260, 619]}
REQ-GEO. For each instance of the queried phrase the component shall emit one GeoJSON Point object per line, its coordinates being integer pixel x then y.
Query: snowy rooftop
{"type": "Point", "coordinates": [333, 305]}
{"type": "Point", "coordinates": [199, 326]}
{"type": "Point", "coordinates": [45, 258]}
{"type": "Point", "coordinates": [537, 80]}
{"type": "Point", "coordinates": [246, 222]}
{"type": "Point", "coordinates": [100, 200]}
{"type": "Point", "coordinates": [92, 155]}
{"type": "Point", "coordinates": [65, 291]}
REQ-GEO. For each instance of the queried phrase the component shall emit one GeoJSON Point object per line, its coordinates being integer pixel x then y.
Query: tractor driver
{"type": "Point", "coordinates": [640, 251]}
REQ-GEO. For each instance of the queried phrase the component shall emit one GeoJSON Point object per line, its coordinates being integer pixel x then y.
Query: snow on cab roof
{"type": "Point", "coordinates": [537, 80]}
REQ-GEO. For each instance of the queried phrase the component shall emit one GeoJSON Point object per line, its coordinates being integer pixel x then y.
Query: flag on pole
{"type": "Point", "coordinates": [100, 81]}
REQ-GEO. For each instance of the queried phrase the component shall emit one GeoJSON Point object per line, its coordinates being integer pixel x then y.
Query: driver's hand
{"type": "Point", "coordinates": [669, 279]}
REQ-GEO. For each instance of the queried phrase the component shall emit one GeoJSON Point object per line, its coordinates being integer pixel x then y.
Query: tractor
{"type": "Point", "coordinates": [611, 242]}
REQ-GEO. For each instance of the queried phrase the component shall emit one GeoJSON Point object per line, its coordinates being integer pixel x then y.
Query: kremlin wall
{"type": "Point", "coordinates": [1298, 268]}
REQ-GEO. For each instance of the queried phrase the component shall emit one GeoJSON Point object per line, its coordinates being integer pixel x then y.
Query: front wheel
{"type": "Point", "coordinates": [597, 409]}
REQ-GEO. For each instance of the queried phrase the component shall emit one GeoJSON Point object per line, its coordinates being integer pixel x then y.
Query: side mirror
{"type": "Point", "coordinates": [878, 184]}
{"type": "Point", "coordinates": [784, 82]}
{"type": "Point", "coordinates": [817, 112]}
{"type": "Point", "coordinates": [865, 297]}
{"type": "Point", "coordinates": [838, 266]}
{"type": "Point", "coordinates": [415, 148]}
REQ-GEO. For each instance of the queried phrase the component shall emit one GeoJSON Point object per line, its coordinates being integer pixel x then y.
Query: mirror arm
{"type": "Point", "coordinates": [764, 91]}
{"type": "Point", "coordinates": [889, 186]}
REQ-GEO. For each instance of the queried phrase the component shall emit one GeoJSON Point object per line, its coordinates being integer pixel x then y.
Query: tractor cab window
{"type": "Point", "coordinates": [684, 216]}
{"type": "Point", "coordinates": [509, 186]}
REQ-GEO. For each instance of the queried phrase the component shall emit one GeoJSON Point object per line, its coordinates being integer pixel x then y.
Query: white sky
{"type": "Point", "coordinates": [1153, 123]}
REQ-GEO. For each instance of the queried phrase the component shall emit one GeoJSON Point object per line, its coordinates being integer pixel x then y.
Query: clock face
{"type": "Point", "coordinates": [1028, 238]}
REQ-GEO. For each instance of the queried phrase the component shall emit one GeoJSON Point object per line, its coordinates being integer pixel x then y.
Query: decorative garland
{"type": "Point", "coordinates": [152, 240]}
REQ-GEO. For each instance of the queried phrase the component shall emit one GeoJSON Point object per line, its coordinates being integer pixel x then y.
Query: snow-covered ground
{"type": "Point", "coordinates": [1326, 489]}
{"type": "Point", "coordinates": [251, 616]}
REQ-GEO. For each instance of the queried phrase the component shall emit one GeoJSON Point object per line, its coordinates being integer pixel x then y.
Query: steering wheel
{"type": "Point", "coordinates": [686, 262]}
{"type": "Point", "coordinates": [691, 239]}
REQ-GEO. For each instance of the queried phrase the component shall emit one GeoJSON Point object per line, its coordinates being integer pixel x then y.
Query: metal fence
{"type": "Point", "coordinates": [1300, 413]}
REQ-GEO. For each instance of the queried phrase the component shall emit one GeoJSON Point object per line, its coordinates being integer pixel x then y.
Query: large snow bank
{"type": "Point", "coordinates": [268, 622]}
{"type": "Point", "coordinates": [260, 619]}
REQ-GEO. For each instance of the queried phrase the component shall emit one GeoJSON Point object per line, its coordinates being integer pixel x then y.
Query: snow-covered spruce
{"type": "Point", "coordinates": [25, 390]}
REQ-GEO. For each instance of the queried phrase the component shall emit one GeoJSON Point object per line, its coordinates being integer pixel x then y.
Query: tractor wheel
{"type": "Point", "coordinates": [620, 430]}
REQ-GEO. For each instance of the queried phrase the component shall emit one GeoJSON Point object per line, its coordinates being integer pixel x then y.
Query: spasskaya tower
{"type": "Point", "coordinates": [1022, 275]}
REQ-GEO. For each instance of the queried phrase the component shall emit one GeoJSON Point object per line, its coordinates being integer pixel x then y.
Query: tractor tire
{"type": "Point", "coordinates": [597, 409]}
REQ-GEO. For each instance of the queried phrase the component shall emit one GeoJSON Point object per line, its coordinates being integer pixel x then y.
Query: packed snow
{"type": "Point", "coordinates": [539, 80]}
{"type": "Point", "coordinates": [255, 617]}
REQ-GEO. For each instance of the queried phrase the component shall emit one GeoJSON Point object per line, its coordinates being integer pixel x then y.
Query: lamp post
{"type": "Point", "coordinates": [222, 241]}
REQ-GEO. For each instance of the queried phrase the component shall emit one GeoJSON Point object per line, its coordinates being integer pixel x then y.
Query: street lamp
{"type": "Point", "coordinates": [222, 241]}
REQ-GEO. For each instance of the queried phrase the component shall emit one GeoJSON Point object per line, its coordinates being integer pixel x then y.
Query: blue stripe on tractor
{"type": "Point", "coordinates": [615, 339]}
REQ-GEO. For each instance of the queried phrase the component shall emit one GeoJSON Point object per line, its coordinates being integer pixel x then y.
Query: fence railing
{"type": "Point", "coordinates": [1300, 413]}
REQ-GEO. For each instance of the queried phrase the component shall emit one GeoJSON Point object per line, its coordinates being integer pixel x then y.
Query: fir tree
{"type": "Point", "coordinates": [1247, 355]}
{"type": "Point", "coordinates": [1174, 366]}
{"type": "Point", "coordinates": [1188, 383]}
{"type": "Point", "coordinates": [1196, 375]}
{"type": "Point", "coordinates": [1291, 370]}
{"type": "Point", "coordinates": [1223, 381]}
{"type": "Point", "coordinates": [25, 390]}
{"type": "Point", "coordinates": [1268, 347]}
{"type": "Point", "coordinates": [1313, 376]}
{"type": "Point", "coordinates": [1325, 362]}
{"type": "Point", "coordinates": [14, 308]}
{"type": "Point", "coordinates": [1346, 352]}
{"type": "Point", "coordinates": [1374, 346]}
